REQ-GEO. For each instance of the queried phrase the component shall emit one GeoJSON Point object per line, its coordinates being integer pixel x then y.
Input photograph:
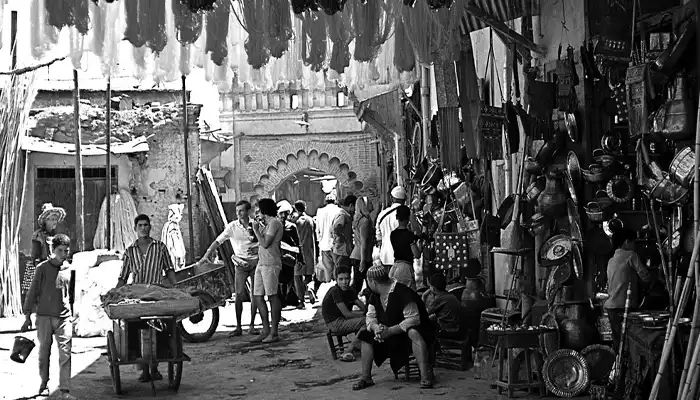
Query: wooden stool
{"type": "Point", "coordinates": [527, 341]}
{"type": "Point", "coordinates": [337, 347]}
{"type": "Point", "coordinates": [409, 369]}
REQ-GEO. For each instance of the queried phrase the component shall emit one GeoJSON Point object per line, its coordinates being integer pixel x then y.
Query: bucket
{"type": "Point", "coordinates": [21, 349]}
{"type": "Point", "coordinates": [681, 169]}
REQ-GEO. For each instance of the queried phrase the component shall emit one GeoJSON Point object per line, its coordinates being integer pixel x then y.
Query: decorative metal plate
{"type": "Point", "coordinates": [566, 373]}
{"type": "Point", "coordinates": [555, 249]}
{"type": "Point", "coordinates": [570, 186]}
{"type": "Point", "coordinates": [550, 340]}
{"type": "Point", "coordinates": [574, 168]}
{"type": "Point", "coordinates": [577, 260]}
{"type": "Point", "coordinates": [600, 359]}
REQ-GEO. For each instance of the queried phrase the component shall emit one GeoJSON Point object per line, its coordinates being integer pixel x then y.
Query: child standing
{"type": "Point", "coordinates": [49, 297]}
{"type": "Point", "coordinates": [405, 245]}
{"type": "Point", "coordinates": [443, 307]}
{"type": "Point", "coordinates": [336, 309]}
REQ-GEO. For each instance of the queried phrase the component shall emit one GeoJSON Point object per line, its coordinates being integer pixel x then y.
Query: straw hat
{"type": "Point", "coordinates": [48, 209]}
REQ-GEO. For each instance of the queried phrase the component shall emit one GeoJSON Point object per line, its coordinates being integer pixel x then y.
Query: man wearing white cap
{"type": "Point", "coordinates": [386, 223]}
{"type": "Point", "coordinates": [324, 230]}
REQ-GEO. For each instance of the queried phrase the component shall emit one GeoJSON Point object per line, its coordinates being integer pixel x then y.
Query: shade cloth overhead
{"type": "Point", "coordinates": [166, 40]}
{"type": "Point", "coordinates": [501, 10]}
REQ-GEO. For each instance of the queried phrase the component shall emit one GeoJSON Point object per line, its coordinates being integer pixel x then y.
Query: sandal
{"type": "Point", "coordinates": [347, 357]}
{"type": "Point", "coordinates": [363, 383]}
{"type": "Point", "coordinates": [426, 384]}
{"type": "Point", "coordinates": [236, 332]}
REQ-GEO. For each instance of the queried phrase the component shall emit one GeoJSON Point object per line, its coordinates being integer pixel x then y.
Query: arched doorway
{"type": "Point", "coordinates": [302, 176]}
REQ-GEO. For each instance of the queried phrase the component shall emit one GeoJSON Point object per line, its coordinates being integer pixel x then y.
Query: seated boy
{"type": "Point", "coordinates": [443, 307]}
{"type": "Point", "coordinates": [336, 309]}
{"type": "Point", "coordinates": [49, 298]}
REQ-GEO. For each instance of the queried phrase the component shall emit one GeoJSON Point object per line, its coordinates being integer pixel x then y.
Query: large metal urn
{"type": "Point", "coordinates": [474, 297]}
{"type": "Point", "coordinates": [552, 201]}
{"type": "Point", "coordinates": [575, 331]}
{"type": "Point", "coordinates": [679, 121]}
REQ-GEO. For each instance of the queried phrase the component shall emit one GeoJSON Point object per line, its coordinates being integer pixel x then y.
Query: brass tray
{"type": "Point", "coordinates": [600, 359]}
{"type": "Point", "coordinates": [566, 373]}
{"type": "Point", "coordinates": [549, 341]}
{"type": "Point", "coordinates": [555, 249]}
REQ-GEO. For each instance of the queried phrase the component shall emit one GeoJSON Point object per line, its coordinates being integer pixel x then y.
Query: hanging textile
{"type": "Point", "coordinates": [123, 214]}
{"type": "Point", "coordinates": [491, 120]}
{"type": "Point", "coordinates": [97, 17]}
{"type": "Point", "coordinates": [341, 33]}
{"type": "Point", "coordinates": [171, 235]}
{"type": "Point", "coordinates": [132, 33]}
{"type": "Point", "coordinates": [188, 25]}
{"type": "Point", "coordinates": [43, 36]}
{"type": "Point", "coordinates": [60, 13]}
{"type": "Point", "coordinates": [470, 100]}
{"type": "Point", "coordinates": [253, 16]}
{"type": "Point", "coordinates": [448, 115]}
{"type": "Point", "coordinates": [279, 26]}
{"type": "Point", "coordinates": [301, 6]}
{"type": "Point", "coordinates": [313, 51]}
{"type": "Point", "coordinates": [152, 24]}
{"type": "Point", "coordinates": [331, 7]}
{"type": "Point", "coordinates": [404, 58]}
{"type": "Point", "coordinates": [166, 63]}
{"type": "Point", "coordinates": [76, 47]}
{"type": "Point", "coordinates": [113, 35]}
{"type": "Point", "coordinates": [374, 23]}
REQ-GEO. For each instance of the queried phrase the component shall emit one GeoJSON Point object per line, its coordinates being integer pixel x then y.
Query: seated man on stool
{"type": "Point", "coordinates": [397, 325]}
{"type": "Point", "coordinates": [337, 311]}
{"type": "Point", "coordinates": [443, 307]}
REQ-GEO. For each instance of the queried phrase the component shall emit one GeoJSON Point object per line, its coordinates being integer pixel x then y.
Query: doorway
{"type": "Point", "coordinates": [57, 186]}
{"type": "Point", "coordinates": [310, 185]}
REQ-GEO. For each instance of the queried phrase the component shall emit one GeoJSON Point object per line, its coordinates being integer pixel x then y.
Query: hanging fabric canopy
{"type": "Point", "coordinates": [354, 43]}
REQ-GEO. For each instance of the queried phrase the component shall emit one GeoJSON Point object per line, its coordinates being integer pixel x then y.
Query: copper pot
{"type": "Point", "coordinates": [552, 200]}
{"type": "Point", "coordinates": [682, 167]}
{"type": "Point", "coordinates": [605, 160]}
{"type": "Point", "coordinates": [532, 166]}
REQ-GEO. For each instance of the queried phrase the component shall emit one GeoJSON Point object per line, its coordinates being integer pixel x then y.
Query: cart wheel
{"type": "Point", "coordinates": [174, 375]}
{"type": "Point", "coordinates": [113, 365]}
{"type": "Point", "coordinates": [201, 327]}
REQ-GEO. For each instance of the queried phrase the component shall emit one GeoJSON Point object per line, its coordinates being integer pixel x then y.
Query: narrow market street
{"type": "Point", "coordinates": [298, 367]}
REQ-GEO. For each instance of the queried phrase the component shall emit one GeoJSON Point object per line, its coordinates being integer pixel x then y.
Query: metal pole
{"type": "Point", "coordinates": [108, 133]}
{"type": "Point", "coordinates": [79, 199]}
{"type": "Point", "coordinates": [425, 107]}
{"type": "Point", "coordinates": [186, 131]}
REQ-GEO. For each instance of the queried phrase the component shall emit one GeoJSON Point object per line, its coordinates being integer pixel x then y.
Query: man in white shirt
{"type": "Point", "coordinates": [324, 232]}
{"type": "Point", "coordinates": [245, 257]}
{"type": "Point", "coordinates": [386, 223]}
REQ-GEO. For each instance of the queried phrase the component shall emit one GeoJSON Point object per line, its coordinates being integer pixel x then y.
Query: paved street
{"type": "Point", "coordinates": [298, 367]}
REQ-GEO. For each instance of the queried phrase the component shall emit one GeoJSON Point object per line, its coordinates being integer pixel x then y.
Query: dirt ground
{"type": "Point", "coordinates": [298, 367]}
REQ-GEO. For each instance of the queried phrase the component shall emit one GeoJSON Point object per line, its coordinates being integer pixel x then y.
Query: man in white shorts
{"type": "Point", "coordinates": [269, 234]}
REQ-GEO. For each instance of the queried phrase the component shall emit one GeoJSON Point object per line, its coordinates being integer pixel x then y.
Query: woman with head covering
{"type": "Point", "coordinates": [361, 257]}
{"type": "Point", "coordinates": [171, 235]}
{"type": "Point", "coordinates": [41, 240]}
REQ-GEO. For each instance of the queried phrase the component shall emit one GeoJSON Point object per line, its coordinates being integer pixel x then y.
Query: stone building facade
{"type": "Point", "coordinates": [274, 141]}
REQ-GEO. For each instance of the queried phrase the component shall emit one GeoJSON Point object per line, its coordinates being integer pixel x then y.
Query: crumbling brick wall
{"type": "Point", "coordinates": [157, 178]}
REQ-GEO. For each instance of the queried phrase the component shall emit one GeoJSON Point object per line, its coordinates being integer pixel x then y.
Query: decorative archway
{"type": "Point", "coordinates": [293, 163]}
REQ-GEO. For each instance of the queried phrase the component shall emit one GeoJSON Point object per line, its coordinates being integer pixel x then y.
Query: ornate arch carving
{"type": "Point", "coordinates": [293, 163]}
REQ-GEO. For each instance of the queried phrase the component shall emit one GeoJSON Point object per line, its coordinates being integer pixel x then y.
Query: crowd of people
{"type": "Point", "coordinates": [285, 255]}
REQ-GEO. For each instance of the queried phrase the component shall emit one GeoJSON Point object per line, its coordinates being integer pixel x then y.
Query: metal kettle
{"type": "Point", "coordinates": [679, 121]}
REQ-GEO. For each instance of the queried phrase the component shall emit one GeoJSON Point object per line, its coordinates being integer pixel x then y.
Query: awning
{"type": "Point", "coordinates": [35, 144]}
{"type": "Point", "coordinates": [501, 10]}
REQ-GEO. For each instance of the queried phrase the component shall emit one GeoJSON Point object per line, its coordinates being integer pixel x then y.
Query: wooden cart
{"type": "Point", "coordinates": [146, 341]}
{"type": "Point", "coordinates": [213, 285]}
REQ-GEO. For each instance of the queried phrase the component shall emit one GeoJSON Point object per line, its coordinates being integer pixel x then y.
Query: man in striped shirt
{"type": "Point", "coordinates": [148, 261]}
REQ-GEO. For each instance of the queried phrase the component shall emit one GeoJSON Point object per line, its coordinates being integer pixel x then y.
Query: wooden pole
{"type": "Point", "coordinates": [79, 196]}
{"type": "Point", "coordinates": [425, 107]}
{"type": "Point", "coordinates": [186, 132]}
{"type": "Point", "coordinates": [108, 134]}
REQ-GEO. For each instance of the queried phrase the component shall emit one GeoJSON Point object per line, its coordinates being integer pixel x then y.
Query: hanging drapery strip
{"type": "Point", "coordinates": [253, 17]}
{"type": "Point", "coordinates": [341, 33]}
{"type": "Point", "coordinates": [331, 7]}
{"type": "Point", "coordinates": [132, 32]}
{"type": "Point", "coordinates": [314, 46]}
{"type": "Point", "coordinates": [404, 58]}
{"type": "Point", "coordinates": [470, 100]}
{"type": "Point", "coordinates": [60, 13]}
{"type": "Point", "coordinates": [448, 114]}
{"type": "Point", "coordinates": [43, 35]}
{"type": "Point", "coordinates": [166, 63]}
{"type": "Point", "coordinates": [113, 23]}
{"type": "Point", "coordinates": [279, 27]}
{"type": "Point", "coordinates": [301, 6]}
{"type": "Point", "coordinates": [97, 17]}
{"type": "Point", "coordinates": [152, 24]}
{"type": "Point", "coordinates": [76, 47]}
{"type": "Point", "coordinates": [374, 23]}
{"type": "Point", "coordinates": [188, 25]}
